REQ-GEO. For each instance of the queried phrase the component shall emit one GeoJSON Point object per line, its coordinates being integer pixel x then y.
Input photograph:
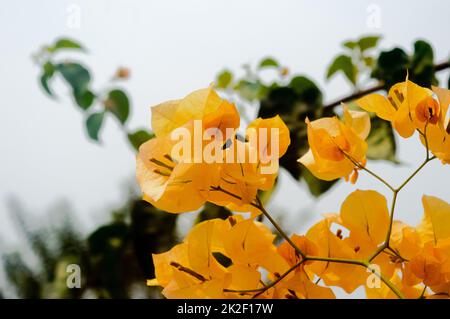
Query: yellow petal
{"type": "Point", "coordinates": [435, 224]}
{"type": "Point", "coordinates": [204, 104]}
{"type": "Point", "coordinates": [366, 215]}
{"type": "Point", "coordinates": [377, 104]}
{"type": "Point", "coordinates": [358, 121]}
{"type": "Point", "coordinates": [277, 132]}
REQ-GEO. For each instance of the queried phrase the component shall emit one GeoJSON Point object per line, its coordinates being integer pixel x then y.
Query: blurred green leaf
{"type": "Point", "coordinates": [422, 65]}
{"type": "Point", "coordinates": [350, 44]}
{"type": "Point", "coordinates": [344, 64]}
{"type": "Point", "coordinates": [307, 91]}
{"type": "Point", "coordinates": [316, 186]}
{"type": "Point", "coordinates": [94, 124]}
{"type": "Point", "coordinates": [368, 42]}
{"type": "Point", "coordinates": [369, 61]}
{"type": "Point", "coordinates": [48, 70]}
{"type": "Point", "coordinates": [84, 99]}
{"type": "Point", "coordinates": [211, 211]}
{"type": "Point", "coordinates": [250, 90]}
{"type": "Point", "coordinates": [65, 43]}
{"type": "Point", "coordinates": [391, 67]}
{"type": "Point", "coordinates": [268, 63]}
{"type": "Point", "coordinates": [301, 98]}
{"type": "Point", "coordinates": [118, 104]}
{"type": "Point", "coordinates": [77, 76]}
{"type": "Point", "coordinates": [224, 79]}
{"type": "Point", "coordinates": [139, 137]}
{"type": "Point", "coordinates": [381, 141]}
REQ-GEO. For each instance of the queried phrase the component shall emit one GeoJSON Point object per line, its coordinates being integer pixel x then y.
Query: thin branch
{"type": "Point", "coordinates": [260, 206]}
{"type": "Point", "coordinates": [380, 86]}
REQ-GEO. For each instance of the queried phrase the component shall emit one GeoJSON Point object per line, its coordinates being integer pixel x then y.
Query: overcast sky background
{"type": "Point", "coordinates": [172, 48]}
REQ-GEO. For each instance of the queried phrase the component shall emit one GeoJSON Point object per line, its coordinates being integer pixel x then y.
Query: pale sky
{"type": "Point", "coordinates": [172, 48]}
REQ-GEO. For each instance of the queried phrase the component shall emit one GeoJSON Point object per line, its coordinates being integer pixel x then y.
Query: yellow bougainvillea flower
{"type": "Point", "coordinates": [336, 146]}
{"type": "Point", "coordinates": [217, 258]}
{"type": "Point", "coordinates": [330, 245]}
{"type": "Point", "coordinates": [204, 104]}
{"type": "Point", "coordinates": [438, 136]}
{"type": "Point", "coordinates": [435, 225]}
{"type": "Point", "coordinates": [426, 248]}
{"type": "Point", "coordinates": [255, 166]}
{"type": "Point", "coordinates": [231, 179]}
{"type": "Point", "coordinates": [163, 178]}
{"type": "Point", "coordinates": [384, 292]}
{"type": "Point", "coordinates": [298, 284]}
{"type": "Point", "coordinates": [364, 216]}
{"type": "Point", "coordinates": [409, 106]}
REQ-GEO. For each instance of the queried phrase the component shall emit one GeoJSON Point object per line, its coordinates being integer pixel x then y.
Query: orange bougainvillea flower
{"type": "Point", "coordinates": [410, 107]}
{"type": "Point", "coordinates": [426, 247]}
{"type": "Point", "coordinates": [438, 134]}
{"type": "Point", "coordinates": [216, 257]}
{"type": "Point", "coordinates": [255, 165]}
{"type": "Point", "coordinates": [336, 146]}
{"type": "Point", "coordinates": [237, 170]}
{"type": "Point", "coordinates": [162, 177]}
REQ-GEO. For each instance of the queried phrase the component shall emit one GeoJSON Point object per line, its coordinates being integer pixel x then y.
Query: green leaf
{"type": "Point", "coordinates": [369, 61]}
{"type": "Point", "coordinates": [316, 186]}
{"type": "Point", "coordinates": [212, 211]}
{"type": "Point", "coordinates": [268, 63]}
{"type": "Point", "coordinates": [368, 42]}
{"type": "Point", "coordinates": [391, 67]}
{"type": "Point", "coordinates": [350, 44]}
{"type": "Point", "coordinates": [93, 124]}
{"type": "Point", "coordinates": [139, 137]}
{"type": "Point", "coordinates": [118, 104]}
{"type": "Point", "coordinates": [381, 141]}
{"type": "Point", "coordinates": [250, 90]}
{"type": "Point", "coordinates": [65, 43]}
{"type": "Point", "coordinates": [224, 79]}
{"type": "Point", "coordinates": [300, 99]}
{"type": "Point", "coordinates": [422, 66]}
{"type": "Point", "coordinates": [84, 99]}
{"type": "Point", "coordinates": [48, 70]}
{"type": "Point", "coordinates": [344, 64]}
{"type": "Point", "coordinates": [44, 79]}
{"type": "Point", "coordinates": [77, 76]}
{"type": "Point", "coordinates": [307, 90]}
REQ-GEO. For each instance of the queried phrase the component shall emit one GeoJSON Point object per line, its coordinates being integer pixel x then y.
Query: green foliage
{"type": "Point", "coordinates": [368, 42]}
{"type": "Point", "coordinates": [78, 79]}
{"type": "Point", "coordinates": [211, 211]}
{"type": "Point", "coordinates": [64, 43]}
{"type": "Point", "coordinates": [343, 63]}
{"type": "Point", "coordinates": [94, 124]}
{"type": "Point", "coordinates": [118, 104]}
{"type": "Point", "coordinates": [356, 61]}
{"type": "Point", "coordinates": [114, 259]}
{"type": "Point", "coordinates": [392, 66]}
{"type": "Point", "coordinates": [381, 141]}
{"type": "Point", "coordinates": [77, 76]}
{"type": "Point", "coordinates": [268, 63]}
{"type": "Point", "coordinates": [224, 79]}
{"type": "Point", "coordinates": [139, 137]}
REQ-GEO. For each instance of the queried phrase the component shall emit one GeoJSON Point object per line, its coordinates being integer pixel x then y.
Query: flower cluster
{"type": "Point", "coordinates": [361, 245]}
{"type": "Point", "coordinates": [163, 173]}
